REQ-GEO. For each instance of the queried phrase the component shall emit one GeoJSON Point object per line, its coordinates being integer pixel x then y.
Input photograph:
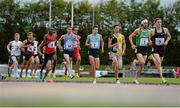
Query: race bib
{"type": "Point", "coordinates": [75, 44]}
{"type": "Point", "coordinates": [159, 41]}
{"type": "Point", "coordinates": [35, 49]}
{"type": "Point", "coordinates": [69, 44]}
{"type": "Point", "coordinates": [143, 41]}
{"type": "Point", "coordinates": [15, 49]}
{"type": "Point", "coordinates": [94, 45]}
{"type": "Point", "coordinates": [30, 49]}
{"type": "Point", "coordinates": [115, 48]}
{"type": "Point", "coordinates": [51, 45]}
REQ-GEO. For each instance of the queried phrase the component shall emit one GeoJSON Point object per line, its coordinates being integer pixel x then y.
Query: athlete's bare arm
{"type": "Point", "coordinates": [110, 45]}
{"type": "Point", "coordinates": [150, 36]}
{"type": "Point", "coordinates": [41, 45]}
{"type": "Point", "coordinates": [60, 42]}
{"type": "Point", "coordinates": [8, 47]}
{"type": "Point", "coordinates": [23, 46]}
{"type": "Point", "coordinates": [124, 46]}
{"type": "Point", "coordinates": [87, 41]}
{"type": "Point", "coordinates": [168, 36]}
{"type": "Point", "coordinates": [79, 37]}
{"type": "Point", "coordinates": [102, 44]}
{"type": "Point", "coordinates": [131, 36]}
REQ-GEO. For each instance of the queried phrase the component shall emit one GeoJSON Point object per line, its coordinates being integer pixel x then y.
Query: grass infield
{"type": "Point", "coordinates": [101, 80]}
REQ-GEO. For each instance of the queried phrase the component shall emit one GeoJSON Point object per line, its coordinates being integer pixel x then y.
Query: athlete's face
{"type": "Point", "coordinates": [30, 37]}
{"type": "Point", "coordinates": [16, 37]}
{"type": "Point", "coordinates": [75, 31]}
{"type": "Point", "coordinates": [95, 30]}
{"type": "Point", "coordinates": [69, 30]}
{"type": "Point", "coordinates": [145, 25]}
{"type": "Point", "coordinates": [116, 29]}
{"type": "Point", "coordinates": [158, 23]}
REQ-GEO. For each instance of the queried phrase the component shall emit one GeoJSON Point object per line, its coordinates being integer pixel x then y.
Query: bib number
{"type": "Point", "coordinates": [30, 49]}
{"type": "Point", "coordinates": [94, 45]}
{"type": "Point", "coordinates": [143, 41]}
{"type": "Point", "coordinates": [69, 45]}
{"type": "Point", "coordinates": [15, 49]}
{"type": "Point", "coordinates": [159, 41]}
{"type": "Point", "coordinates": [115, 48]}
{"type": "Point", "coordinates": [51, 45]}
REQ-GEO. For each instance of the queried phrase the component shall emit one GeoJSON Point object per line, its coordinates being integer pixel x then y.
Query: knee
{"type": "Point", "coordinates": [158, 64]}
{"type": "Point", "coordinates": [79, 59]}
{"type": "Point", "coordinates": [48, 67]}
{"type": "Point", "coordinates": [97, 66]}
{"type": "Point", "coordinates": [141, 63]}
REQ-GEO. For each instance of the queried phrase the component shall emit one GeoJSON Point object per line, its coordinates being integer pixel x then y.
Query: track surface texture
{"type": "Point", "coordinates": [29, 94]}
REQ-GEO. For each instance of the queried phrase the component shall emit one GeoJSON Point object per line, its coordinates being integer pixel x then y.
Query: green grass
{"type": "Point", "coordinates": [105, 80]}
{"type": "Point", "coordinates": [103, 67]}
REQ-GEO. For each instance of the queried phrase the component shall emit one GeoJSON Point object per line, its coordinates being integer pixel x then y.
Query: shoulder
{"type": "Point", "coordinates": [152, 30]}
{"type": "Point", "coordinates": [100, 35]}
{"type": "Point", "coordinates": [11, 42]}
{"type": "Point", "coordinates": [20, 42]}
{"type": "Point", "coordinates": [165, 29]}
{"type": "Point", "coordinates": [45, 36]}
{"type": "Point", "coordinates": [89, 36]}
{"type": "Point", "coordinates": [136, 31]}
{"type": "Point", "coordinates": [25, 41]}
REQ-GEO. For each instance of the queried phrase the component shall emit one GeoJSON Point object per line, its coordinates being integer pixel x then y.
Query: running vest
{"type": "Point", "coordinates": [69, 41]}
{"type": "Point", "coordinates": [114, 40]}
{"type": "Point", "coordinates": [76, 45]}
{"type": "Point", "coordinates": [15, 48]}
{"type": "Point", "coordinates": [50, 47]}
{"type": "Point", "coordinates": [35, 47]}
{"type": "Point", "coordinates": [159, 38]}
{"type": "Point", "coordinates": [95, 41]}
{"type": "Point", "coordinates": [30, 48]}
{"type": "Point", "coordinates": [142, 38]}
{"type": "Point", "coordinates": [119, 40]}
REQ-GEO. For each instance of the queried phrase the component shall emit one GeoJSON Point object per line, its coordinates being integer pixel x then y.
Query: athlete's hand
{"type": "Point", "coordinates": [165, 43]}
{"type": "Point", "coordinates": [133, 46]}
{"type": "Point", "coordinates": [102, 51]}
{"type": "Point", "coordinates": [9, 51]}
{"type": "Point", "coordinates": [123, 52]}
{"type": "Point", "coordinates": [40, 54]}
{"type": "Point", "coordinates": [150, 43]}
{"type": "Point", "coordinates": [114, 44]}
{"type": "Point", "coordinates": [61, 49]}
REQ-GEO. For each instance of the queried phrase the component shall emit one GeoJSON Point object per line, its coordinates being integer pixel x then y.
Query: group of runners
{"type": "Point", "coordinates": [69, 44]}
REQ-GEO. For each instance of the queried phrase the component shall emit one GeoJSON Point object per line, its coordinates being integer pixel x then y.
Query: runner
{"type": "Point", "coordinates": [49, 45]}
{"type": "Point", "coordinates": [68, 41]}
{"type": "Point", "coordinates": [76, 53]}
{"type": "Point", "coordinates": [36, 55]}
{"type": "Point", "coordinates": [14, 49]}
{"type": "Point", "coordinates": [141, 35]}
{"type": "Point", "coordinates": [117, 46]}
{"type": "Point", "coordinates": [94, 42]}
{"type": "Point", "coordinates": [28, 50]}
{"type": "Point", "coordinates": [160, 38]}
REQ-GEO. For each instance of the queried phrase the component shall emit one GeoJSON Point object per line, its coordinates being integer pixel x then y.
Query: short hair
{"type": "Point", "coordinates": [144, 21]}
{"type": "Point", "coordinates": [95, 26]}
{"type": "Point", "coordinates": [29, 33]}
{"type": "Point", "coordinates": [75, 27]}
{"type": "Point", "coordinates": [16, 34]}
{"type": "Point", "coordinates": [157, 19]}
{"type": "Point", "coordinates": [116, 25]}
{"type": "Point", "coordinates": [68, 27]}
